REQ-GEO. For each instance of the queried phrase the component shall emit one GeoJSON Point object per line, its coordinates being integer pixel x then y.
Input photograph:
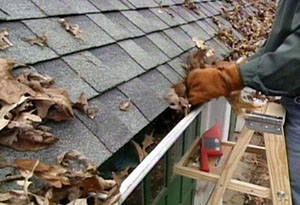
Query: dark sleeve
{"type": "Point", "coordinates": [277, 72]}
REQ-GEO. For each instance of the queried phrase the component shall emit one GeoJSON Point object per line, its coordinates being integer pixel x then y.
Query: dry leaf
{"type": "Point", "coordinates": [4, 40]}
{"type": "Point", "coordinates": [72, 28]}
{"type": "Point", "coordinates": [199, 43]}
{"type": "Point", "coordinates": [73, 179]}
{"type": "Point", "coordinates": [148, 141]}
{"type": "Point", "coordinates": [142, 150]}
{"type": "Point", "coordinates": [83, 105]}
{"type": "Point", "coordinates": [41, 41]}
{"type": "Point", "coordinates": [125, 106]}
{"type": "Point", "coordinates": [192, 6]}
{"type": "Point", "coordinates": [10, 89]}
{"type": "Point", "coordinates": [78, 202]}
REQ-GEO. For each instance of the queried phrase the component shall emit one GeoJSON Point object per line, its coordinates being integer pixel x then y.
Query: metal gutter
{"type": "Point", "coordinates": [137, 175]}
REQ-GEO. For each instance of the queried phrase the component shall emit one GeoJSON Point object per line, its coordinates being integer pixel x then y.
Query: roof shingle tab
{"type": "Point", "coordinates": [154, 51]}
{"type": "Point", "coordinates": [22, 51]}
{"type": "Point", "coordinates": [168, 16]}
{"type": "Point", "coordinates": [121, 66]}
{"type": "Point", "coordinates": [147, 25]}
{"type": "Point", "coordinates": [109, 5]}
{"type": "Point", "coordinates": [65, 77]}
{"type": "Point", "coordinates": [162, 41]}
{"type": "Point", "coordinates": [169, 73]}
{"type": "Point", "coordinates": [153, 19]}
{"type": "Point", "coordinates": [177, 64]}
{"type": "Point", "coordinates": [12, 10]}
{"type": "Point", "coordinates": [193, 30]}
{"type": "Point", "coordinates": [132, 119]}
{"type": "Point", "coordinates": [184, 13]}
{"type": "Point", "coordinates": [207, 27]}
{"type": "Point", "coordinates": [109, 129]}
{"type": "Point", "coordinates": [157, 82]}
{"type": "Point", "coordinates": [91, 69]}
{"type": "Point", "coordinates": [143, 3]}
{"type": "Point", "coordinates": [117, 31]}
{"type": "Point", "coordinates": [138, 54]}
{"type": "Point", "coordinates": [63, 7]}
{"type": "Point", "coordinates": [180, 38]}
{"type": "Point", "coordinates": [62, 41]}
{"type": "Point", "coordinates": [119, 18]}
{"type": "Point", "coordinates": [146, 99]}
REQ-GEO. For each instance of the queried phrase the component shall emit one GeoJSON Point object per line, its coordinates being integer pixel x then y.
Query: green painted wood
{"type": "Point", "coordinates": [147, 190]}
{"type": "Point", "coordinates": [174, 192]}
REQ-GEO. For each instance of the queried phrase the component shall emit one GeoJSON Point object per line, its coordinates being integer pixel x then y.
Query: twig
{"type": "Point", "coordinates": [11, 178]}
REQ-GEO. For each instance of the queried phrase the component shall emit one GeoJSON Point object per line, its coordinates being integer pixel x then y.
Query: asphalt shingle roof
{"type": "Point", "coordinates": [129, 49]}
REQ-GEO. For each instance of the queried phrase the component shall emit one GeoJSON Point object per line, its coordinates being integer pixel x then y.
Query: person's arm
{"type": "Point", "coordinates": [278, 72]}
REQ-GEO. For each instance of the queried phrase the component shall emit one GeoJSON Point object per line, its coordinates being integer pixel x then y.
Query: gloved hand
{"type": "Point", "coordinates": [208, 83]}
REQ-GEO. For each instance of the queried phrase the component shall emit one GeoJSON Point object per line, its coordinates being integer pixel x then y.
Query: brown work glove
{"type": "Point", "coordinates": [208, 83]}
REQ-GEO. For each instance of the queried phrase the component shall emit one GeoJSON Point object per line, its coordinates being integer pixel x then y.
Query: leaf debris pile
{"type": "Point", "coordinates": [254, 26]}
{"type": "Point", "coordinates": [72, 180]}
{"type": "Point", "coordinates": [26, 102]}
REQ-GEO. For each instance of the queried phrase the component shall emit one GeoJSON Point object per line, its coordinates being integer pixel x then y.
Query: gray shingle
{"type": "Point", "coordinates": [143, 3]}
{"type": "Point", "coordinates": [108, 5]}
{"type": "Point", "coordinates": [220, 49]}
{"type": "Point", "coordinates": [169, 73]}
{"type": "Point", "coordinates": [91, 69]}
{"type": "Point", "coordinates": [21, 50]}
{"type": "Point", "coordinates": [153, 19]}
{"type": "Point", "coordinates": [178, 1]}
{"type": "Point", "coordinates": [148, 102]}
{"type": "Point", "coordinates": [162, 41]}
{"type": "Point", "coordinates": [153, 50]}
{"type": "Point", "coordinates": [164, 2]}
{"type": "Point", "coordinates": [111, 131]}
{"type": "Point", "coordinates": [21, 10]}
{"type": "Point", "coordinates": [117, 31]}
{"type": "Point", "coordinates": [194, 30]}
{"type": "Point", "coordinates": [222, 45]}
{"type": "Point", "coordinates": [121, 66]}
{"type": "Point", "coordinates": [62, 41]}
{"type": "Point", "coordinates": [119, 18]}
{"type": "Point", "coordinates": [184, 13]}
{"type": "Point", "coordinates": [206, 27]}
{"type": "Point", "coordinates": [210, 8]}
{"type": "Point", "coordinates": [128, 4]}
{"type": "Point", "coordinates": [66, 78]}
{"type": "Point", "coordinates": [215, 6]}
{"type": "Point", "coordinates": [72, 134]}
{"type": "Point", "coordinates": [63, 7]}
{"type": "Point", "coordinates": [212, 24]}
{"type": "Point", "coordinates": [132, 119]}
{"type": "Point", "coordinates": [156, 82]}
{"type": "Point", "coordinates": [205, 10]}
{"type": "Point", "coordinates": [180, 38]}
{"type": "Point", "coordinates": [140, 21]}
{"type": "Point", "coordinates": [168, 16]}
{"type": "Point", "coordinates": [140, 55]}
{"type": "Point", "coordinates": [177, 64]}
